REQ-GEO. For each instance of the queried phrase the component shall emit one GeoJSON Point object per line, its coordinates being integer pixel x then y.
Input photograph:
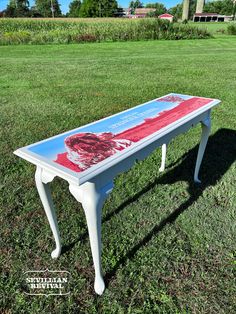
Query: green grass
{"type": "Point", "coordinates": [168, 245]}
{"type": "Point", "coordinates": [214, 28]}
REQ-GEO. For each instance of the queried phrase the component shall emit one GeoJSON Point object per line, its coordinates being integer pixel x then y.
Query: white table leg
{"type": "Point", "coordinates": [42, 179]}
{"type": "Point", "coordinates": [163, 157]}
{"type": "Point", "coordinates": [92, 200]}
{"type": "Point", "coordinates": [206, 128]}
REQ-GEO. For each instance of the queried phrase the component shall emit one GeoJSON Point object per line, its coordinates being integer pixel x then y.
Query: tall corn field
{"type": "Point", "coordinates": [42, 31]}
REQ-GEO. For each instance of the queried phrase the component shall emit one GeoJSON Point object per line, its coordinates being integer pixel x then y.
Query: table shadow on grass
{"type": "Point", "coordinates": [220, 154]}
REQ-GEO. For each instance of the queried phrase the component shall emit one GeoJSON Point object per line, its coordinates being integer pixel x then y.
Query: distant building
{"type": "Point", "coordinates": [120, 12]}
{"type": "Point", "coordinates": [211, 17]}
{"type": "Point", "coordinates": [144, 11]}
{"type": "Point", "coordinates": [166, 16]}
{"type": "Point", "coordinates": [127, 11]}
{"type": "Point", "coordinates": [139, 12]}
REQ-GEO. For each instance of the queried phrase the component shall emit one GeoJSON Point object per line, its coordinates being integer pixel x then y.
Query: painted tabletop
{"type": "Point", "coordinates": [84, 148]}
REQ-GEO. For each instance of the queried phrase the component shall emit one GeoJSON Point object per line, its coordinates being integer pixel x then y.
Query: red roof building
{"type": "Point", "coordinates": [166, 16]}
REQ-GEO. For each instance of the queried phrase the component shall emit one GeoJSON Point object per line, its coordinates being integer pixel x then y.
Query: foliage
{"type": "Point", "coordinates": [17, 8]}
{"type": "Point", "coordinates": [192, 8]}
{"type": "Point", "coordinates": [134, 5]}
{"type": "Point", "coordinates": [176, 11]}
{"type": "Point", "coordinates": [101, 8]}
{"type": "Point", "coordinates": [51, 31]}
{"type": "Point", "coordinates": [160, 9]}
{"type": "Point", "coordinates": [74, 8]}
{"type": "Point", "coordinates": [48, 8]}
{"type": "Point", "coordinates": [224, 7]}
{"type": "Point", "coordinates": [231, 29]}
{"type": "Point", "coordinates": [234, 11]}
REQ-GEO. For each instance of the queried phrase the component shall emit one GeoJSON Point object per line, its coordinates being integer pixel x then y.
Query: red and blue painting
{"type": "Point", "coordinates": [86, 146]}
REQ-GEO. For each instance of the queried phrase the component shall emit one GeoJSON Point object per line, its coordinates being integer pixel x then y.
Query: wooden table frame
{"type": "Point", "coordinates": [92, 189]}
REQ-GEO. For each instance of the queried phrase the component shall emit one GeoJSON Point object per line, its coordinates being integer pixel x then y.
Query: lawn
{"type": "Point", "coordinates": [216, 28]}
{"type": "Point", "coordinates": [168, 245]}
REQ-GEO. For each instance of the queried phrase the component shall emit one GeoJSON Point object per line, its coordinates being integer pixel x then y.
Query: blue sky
{"type": "Point", "coordinates": [122, 3]}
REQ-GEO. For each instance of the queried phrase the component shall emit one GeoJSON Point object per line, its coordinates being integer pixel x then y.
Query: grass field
{"type": "Point", "coordinates": [214, 28]}
{"type": "Point", "coordinates": [168, 245]}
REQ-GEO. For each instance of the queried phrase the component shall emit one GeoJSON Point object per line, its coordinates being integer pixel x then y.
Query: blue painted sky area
{"type": "Point", "coordinates": [115, 124]}
{"type": "Point", "coordinates": [123, 3]}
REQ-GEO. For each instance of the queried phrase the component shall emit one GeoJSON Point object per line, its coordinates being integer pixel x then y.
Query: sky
{"type": "Point", "coordinates": [123, 3]}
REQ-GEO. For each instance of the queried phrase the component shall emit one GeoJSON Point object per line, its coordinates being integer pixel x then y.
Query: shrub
{"type": "Point", "coordinates": [86, 38]}
{"type": "Point", "coordinates": [221, 30]}
{"type": "Point", "coordinates": [231, 29]}
{"type": "Point", "coordinates": [20, 37]}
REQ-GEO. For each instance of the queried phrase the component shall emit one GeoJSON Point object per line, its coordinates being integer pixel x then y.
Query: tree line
{"type": "Point", "coordinates": [51, 8]}
{"type": "Point", "coordinates": [107, 8]}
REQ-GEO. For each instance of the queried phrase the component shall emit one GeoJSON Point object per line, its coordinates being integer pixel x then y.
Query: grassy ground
{"type": "Point", "coordinates": [214, 28]}
{"type": "Point", "coordinates": [168, 245]}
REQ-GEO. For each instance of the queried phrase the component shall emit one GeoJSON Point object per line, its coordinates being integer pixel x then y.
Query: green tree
{"type": "Point", "coordinates": [11, 9]}
{"type": "Point", "coordinates": [95, 8]}
{"type": "Point", "coordinates": [234, 11]}
{"type": "Point", "coordinates": [192, 8]}
{"type": "Point", "coordinates": [74, 8]}
{"type": "Point", "coordinates": [160, 8]}
{"type": "Point", "coordinates": [48, 8]}
{"type": "Point", "coordinates": [177, 10]}
{"type": "Point", "coordinates": [134, 5]}
{"type": "Point", "coordinates": [225, 7]}
{"type": "Point", "coordinates": [17, 8]}
{"type": "Point", "coordinates": [22, 7]}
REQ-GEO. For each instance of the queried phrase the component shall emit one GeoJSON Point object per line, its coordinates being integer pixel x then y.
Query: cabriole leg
{"type": "Point", "coordinates": [92, 200]}
{"type": "Point", "coordinates": [206, 128]}
{"type": "Point", "coordinates": [163, 157]}
{"type": "Point", "coordinates": [42, 179]}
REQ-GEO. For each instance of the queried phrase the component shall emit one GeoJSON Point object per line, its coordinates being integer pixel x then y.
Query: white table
{"type": "Point", "coordinates": [90, 157]}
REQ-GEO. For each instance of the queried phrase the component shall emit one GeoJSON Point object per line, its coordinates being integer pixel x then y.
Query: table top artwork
{"type": "Point", "coordinates": [86, 147]}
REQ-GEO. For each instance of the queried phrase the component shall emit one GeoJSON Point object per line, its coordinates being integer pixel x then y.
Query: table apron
{"type": "Point", "coordinates": [110, 173]}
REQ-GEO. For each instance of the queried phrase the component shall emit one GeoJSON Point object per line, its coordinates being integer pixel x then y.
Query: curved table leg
{"type": "Point", "coordinates": [42, 180]}
{"type": "Point", "coordinates": [92, 200]}
{"type": "Point", "coordinates": [206, 128]}
{"type": "Point", "coordinates": [163, 157]}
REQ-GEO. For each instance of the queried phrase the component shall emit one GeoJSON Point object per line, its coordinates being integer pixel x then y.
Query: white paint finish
{"type": "Point", "coordinates": [47, 176]}
{"type": "Point", "coordinates": [206, 128]}
{"type": "Point", "coordinates": [45, 196]}
{"type": "Point", "coordinates": [48, 165]}
{"type": "Point", "coordinates": [92, 199]}
{"type": "Point", "coordinates": [163, 157]}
